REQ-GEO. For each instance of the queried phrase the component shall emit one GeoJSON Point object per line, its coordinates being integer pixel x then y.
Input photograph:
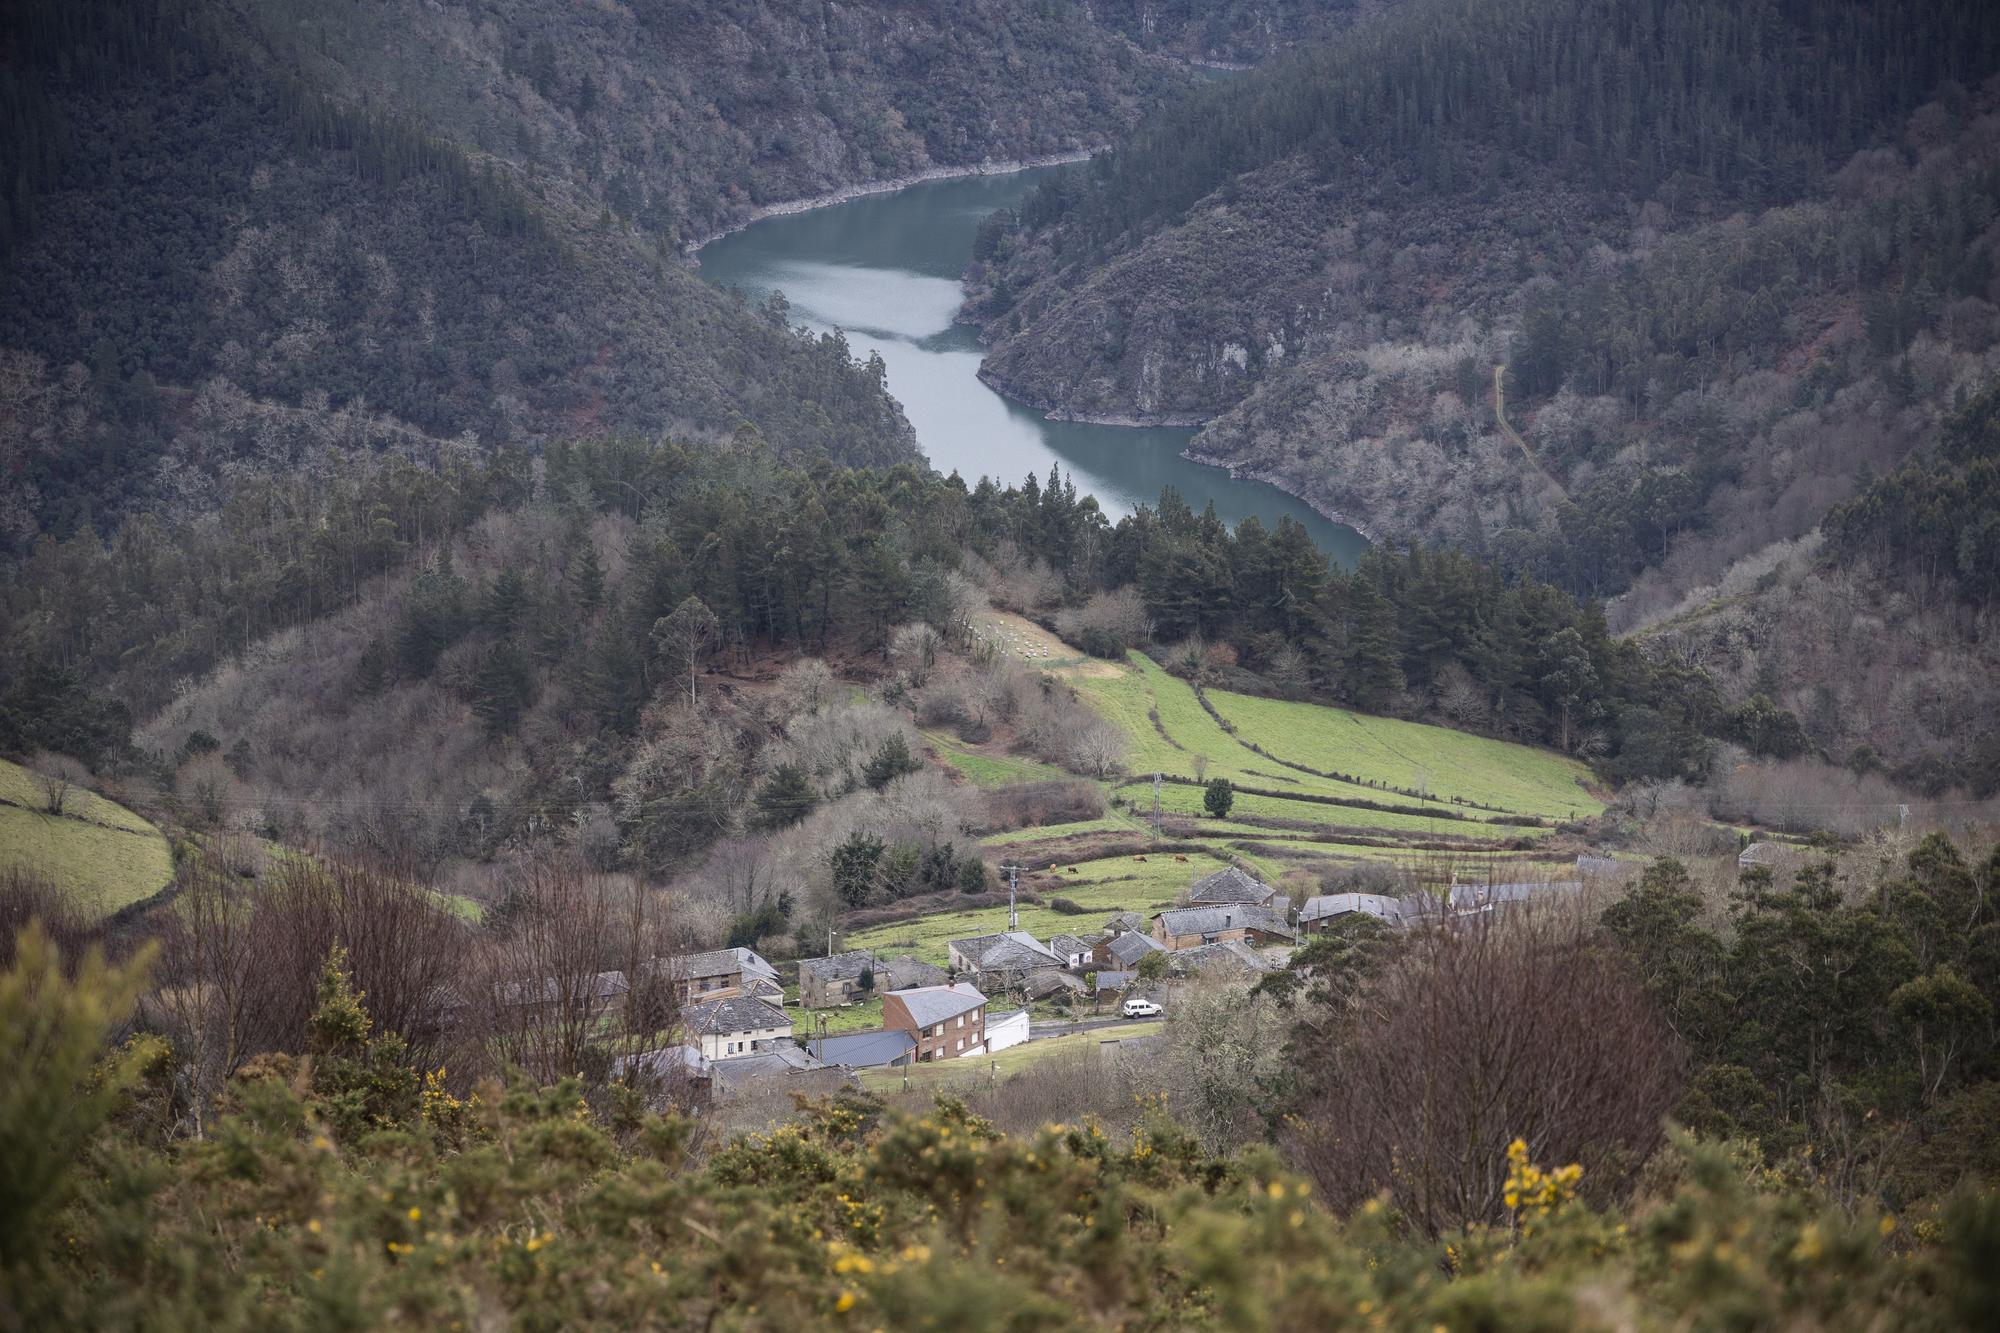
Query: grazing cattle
{"type": "Point", "coordinates": [1138, 858]}
{"type": "Point", "coordinates": [1180, 858]}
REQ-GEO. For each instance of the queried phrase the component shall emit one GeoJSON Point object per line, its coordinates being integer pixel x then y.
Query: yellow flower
{"type": "Point", "coordinates": [313, 1226]}
{"type": "Point", "coordinates": [1276, 1189]}
{"type": "Point", "coordinates": [416, 1214]}
{"type": "Point", "coordinates": [845, 1303]}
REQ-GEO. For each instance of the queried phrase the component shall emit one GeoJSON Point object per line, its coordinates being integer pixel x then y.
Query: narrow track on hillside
{"type": "Point", "coordinates": [1500, 415]}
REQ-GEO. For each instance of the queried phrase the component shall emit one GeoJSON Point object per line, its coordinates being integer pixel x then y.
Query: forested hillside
{"type": "Point", "coordinates": [1634, 333]}
{"type": "Point", "coordinates": [246, 235]}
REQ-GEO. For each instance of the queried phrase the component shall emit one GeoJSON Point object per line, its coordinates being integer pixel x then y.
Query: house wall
{"type": "Point", "coordinates": [817, 993]}
{"type": "Point", "coordinates": [1237, 933]}
{"type": "Point", "coordinates": [1009, 1031]}
{"type": "Point", "coordinates": [956, 1037]}
{"type": "Point", "coordinates": [718, 1045]}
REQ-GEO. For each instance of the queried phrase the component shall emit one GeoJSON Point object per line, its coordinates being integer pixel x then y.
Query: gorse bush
{"type": "Point", "coordinates": [534, 1207]}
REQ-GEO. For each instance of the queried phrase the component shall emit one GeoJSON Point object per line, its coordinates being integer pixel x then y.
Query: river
{"type": "Point", "coordinates": [884, 268]}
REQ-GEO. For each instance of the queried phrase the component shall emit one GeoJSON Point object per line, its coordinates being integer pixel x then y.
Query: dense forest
{"type": "Point", "coordinates": [238, 238]}
{"type": "Point", "coordinates": [1494, 323]}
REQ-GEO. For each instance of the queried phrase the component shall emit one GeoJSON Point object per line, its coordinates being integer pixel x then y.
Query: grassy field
{"type": "Point", "coordinates": [1516, 779]}
{"type": "Point", "coordinates": [855, 1018]}
{"type": "Point", "coordinates": [1008, 1062]}
{"type": "Point", "coordinates": [98, 852]}
{"type": "Point", "coordinates": [986, 770]}
{"type": "Point", "coordinates": [1116, 884]}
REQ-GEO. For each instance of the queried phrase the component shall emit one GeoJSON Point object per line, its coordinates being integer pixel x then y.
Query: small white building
{"type": "Point", "coordinates": [1006, 1030]}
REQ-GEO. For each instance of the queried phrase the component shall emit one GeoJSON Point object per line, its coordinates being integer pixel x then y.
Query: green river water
{"type": "Point", "coordinates": [884, 268]}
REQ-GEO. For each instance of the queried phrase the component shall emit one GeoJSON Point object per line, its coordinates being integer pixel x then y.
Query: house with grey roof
{"type": "Point", "coordinates": [1123, 952]}
{"type": "Point", "coordinates": [1048, 982]}
{"type": "Point", "coordinates": [1233, 885]}
{"type": "Point", "coordinates": [1074, 950]}
{"type": "Point", "coordinates": [946, 1021]}
{"type": "Point", "coordinates": [735, 1025]}
{"type": "Point", "coordinates": [909, 972]}
{"type": "Point", "coordinates": [826, 983]}
{"type": "Point", "coordinates": [1322, 911]}
{"type": "Point", "coordinates": [878, 1048]}
{"type": "Point", "coordinates": [1186, 927]}
{"type": "Point", "coordinates": [1230, 958]}
{"type": "Point", "coordinates": [761, 1071]}
{"type": "Point", "coordinates": [1108, 981]}
{"type": "Point", "coordinates": [1772, 855]}
{"type": "Point", "coordinates": [1000, 962]}
{"type": "Point", "coordinates": [661, 1073]}
{"type": "Point", "coordinates": [719, 972]}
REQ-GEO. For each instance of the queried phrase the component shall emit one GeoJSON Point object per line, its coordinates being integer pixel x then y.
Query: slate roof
{"type": "Point", "coordinates": [1472, 897]}
{"type": "Point", "coordinates": [1329, 905]}
{"type": "Point", "coordinates": [739, 1071]}
{"type": "Point", "coordinates": [1010, 949]}
{"type": "Point", "coordinates": [1761, 854]}
{"type": "Point", "coordinates": [1130, 947]}
{"type": "Point", "coordinates": [598, 986]}
{"type": "Point", "coordinates": [1067, 947]}
{"type": "Point", "coordinates": [738, 1013]}
{"type": "Point", "coordinates": [1214, 920]}
{"type": "Point", "coordinates": [1232, 885]}
{"type": "Point", "coordinates": [1045, 981]}
{"type": "Point", "coordinates": [1230, 957]}
{"type": "Point", "coordinates": [910, 972]}
{"type": "Point", "coordinates": [665, 1062]}
{"type": "Point", "coordinates": [1118, 921]}
{"type": "Point", "coordinates": [716, 963]}
{"type": "Point", "coordinates": [863, 1050]}
{"type": "Point", "coordinates": [930, 1005]}
{"type": "Point", "coordinates": [1114, 980]}
{"type": "Point", "coordinates": [838, 967]}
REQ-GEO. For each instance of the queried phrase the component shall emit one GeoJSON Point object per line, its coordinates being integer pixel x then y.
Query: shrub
{"type": "Point", "coordinates": [1068, 907]}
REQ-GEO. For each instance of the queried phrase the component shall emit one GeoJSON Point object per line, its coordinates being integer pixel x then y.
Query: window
{"type": "Point", "coordinates": [938, 1031]}
{"type": "Point", "coordinates": [959, 1021]}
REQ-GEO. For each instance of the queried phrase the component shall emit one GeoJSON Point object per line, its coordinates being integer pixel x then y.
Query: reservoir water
{"type": "Point", "coordinates": [884, 269]}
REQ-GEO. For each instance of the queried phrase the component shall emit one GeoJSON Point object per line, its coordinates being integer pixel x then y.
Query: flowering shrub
{"type": "Point", "coordinates": [523, 1208]}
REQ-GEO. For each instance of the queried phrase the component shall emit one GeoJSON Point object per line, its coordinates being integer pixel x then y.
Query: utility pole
{"type": "Point", "coordinates": [1157, 823]}
{"type": "Point", "coordinates": [1013, 886]}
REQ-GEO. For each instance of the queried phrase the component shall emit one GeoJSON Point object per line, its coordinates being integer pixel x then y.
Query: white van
{"type": "Point", "coordinates": [1140, 1007]}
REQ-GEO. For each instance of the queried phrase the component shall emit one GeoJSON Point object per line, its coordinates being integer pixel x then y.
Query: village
{"type": "Point", "coordinates": [732, 1038]}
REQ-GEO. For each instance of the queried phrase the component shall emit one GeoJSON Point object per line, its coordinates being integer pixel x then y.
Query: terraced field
{"type": "Point", "coordinates": [1432, 778]}
{"type": "Point", "coordinates": [1101, 887]}
{"type": "Point", "coordinates": [99, 853]}
{"type": "Point", "coordinates": [1317, 789]}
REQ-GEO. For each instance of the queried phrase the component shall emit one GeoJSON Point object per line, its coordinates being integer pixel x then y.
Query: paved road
{"type": "Point", "coordinates": [1063, 1027]}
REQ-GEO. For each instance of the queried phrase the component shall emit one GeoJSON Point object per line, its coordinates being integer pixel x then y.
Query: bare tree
{"type": "Point", "coordinates": [204, 979]}
{"type": "Point", "coordinates": [58, 775]}
{"type": "Point", "coordinates": [406, 949]}
{"type": "Point", "coordinates": [914, 649]}
{"type": "Point", "coordinates": [685, 635]}
{"type": "Point", "coordinates": [577, 983]}
{"type": "Point", "coordinates": [1522, 1026]}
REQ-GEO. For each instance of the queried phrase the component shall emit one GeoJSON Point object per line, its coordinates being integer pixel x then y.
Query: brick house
{"type": "Point", "coordinates": [946, 1021]}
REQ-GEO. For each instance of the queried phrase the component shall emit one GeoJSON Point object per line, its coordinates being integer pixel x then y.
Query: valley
{"type": "Point", "coordinates": [999, 665]}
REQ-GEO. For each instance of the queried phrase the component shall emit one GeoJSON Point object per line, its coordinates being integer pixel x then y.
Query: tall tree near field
{"type": "Point", "coordinates": [686, 636]}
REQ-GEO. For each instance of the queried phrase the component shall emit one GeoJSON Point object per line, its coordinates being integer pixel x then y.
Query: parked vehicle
{"type": "Point", "coordinates": [1138, 1007]}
